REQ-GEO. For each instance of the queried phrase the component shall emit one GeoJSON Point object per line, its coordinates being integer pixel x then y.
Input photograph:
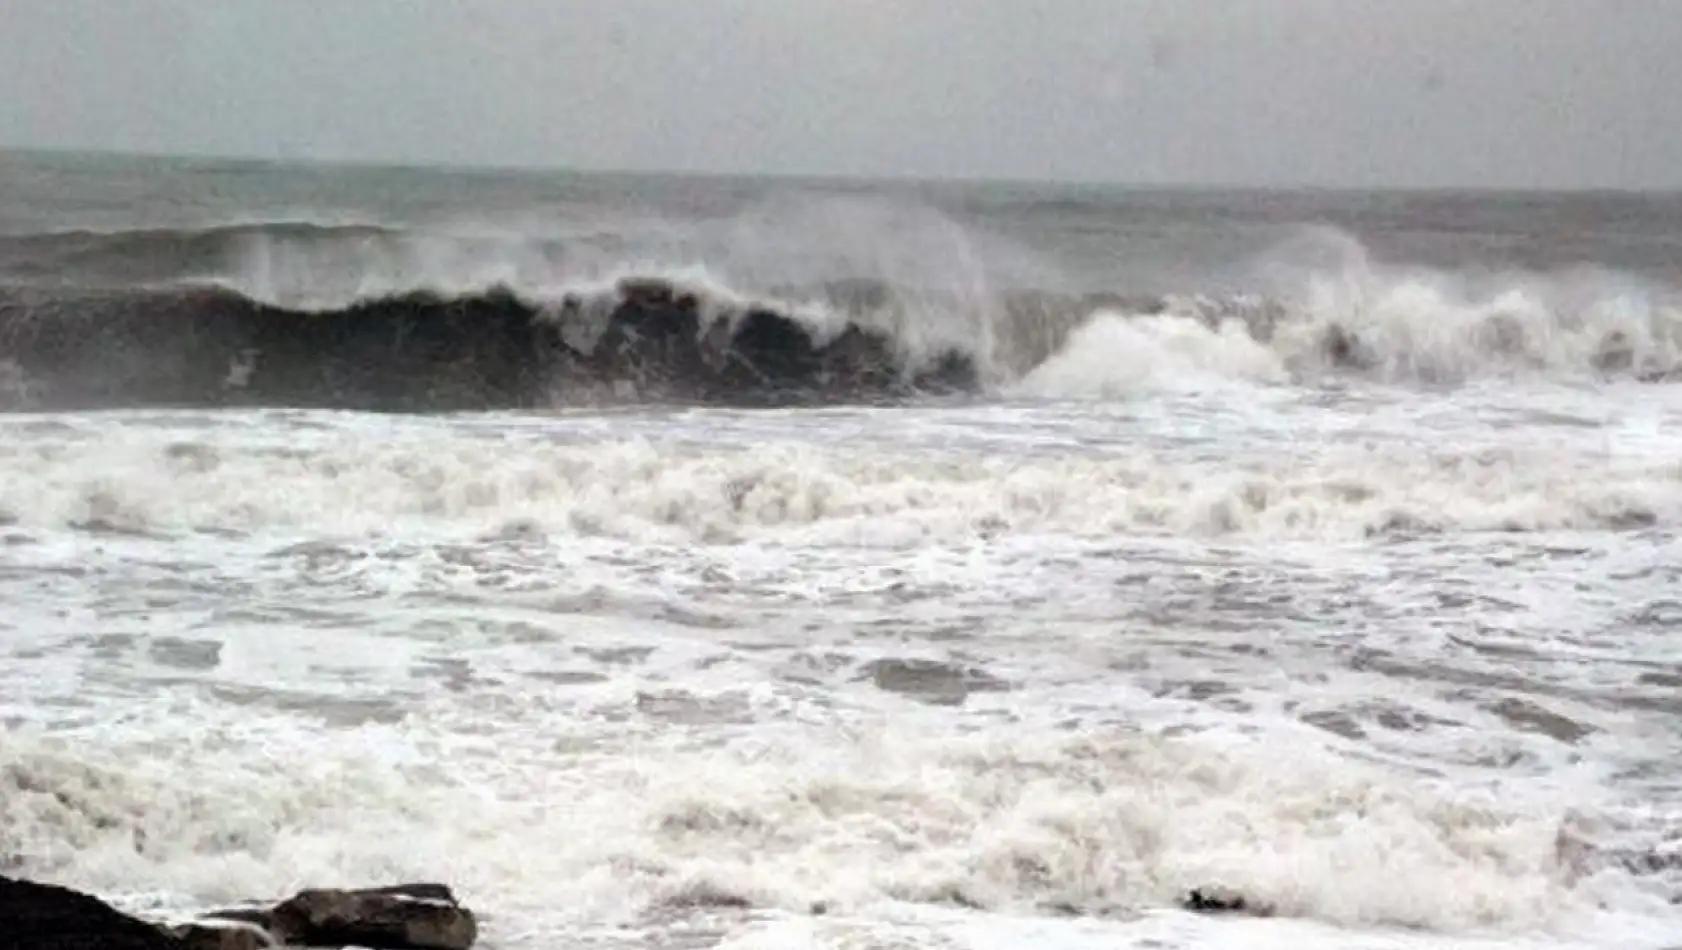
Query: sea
{"type": "Point", "coordinates": [775, 563]}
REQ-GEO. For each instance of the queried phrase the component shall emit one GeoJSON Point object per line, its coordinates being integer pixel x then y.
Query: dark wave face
{"type": "Point", "coordinates": [647, 340]}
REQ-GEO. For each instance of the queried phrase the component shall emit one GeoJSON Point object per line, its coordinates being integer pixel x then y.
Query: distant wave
{"type": "Point", "coordinates": [85, 256]}
{"type": "Point", "coordinates": [368, 316]}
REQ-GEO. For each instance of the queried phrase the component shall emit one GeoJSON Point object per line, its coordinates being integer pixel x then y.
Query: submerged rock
{"type": "Point", "coordinates": [44, 917]}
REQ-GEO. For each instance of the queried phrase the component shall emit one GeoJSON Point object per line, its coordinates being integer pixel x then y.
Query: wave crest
{"type": "Point", "coordinates": [647, 339]}
{"type": "Point", "coordinates": [364, 316]}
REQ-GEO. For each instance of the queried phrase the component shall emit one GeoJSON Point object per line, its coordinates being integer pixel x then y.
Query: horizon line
{"type": "Point", "coordinates": [863, 178]}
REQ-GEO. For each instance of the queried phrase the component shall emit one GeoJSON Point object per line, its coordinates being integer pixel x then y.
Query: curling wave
{"type": "Point", "coordinates": [374, 317]}
{"type": "Point", "coordinates": [650, 339]}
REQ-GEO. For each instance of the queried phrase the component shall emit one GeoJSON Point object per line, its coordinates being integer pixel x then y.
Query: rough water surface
{"type": "Point", "coordinates": [1348, 586]}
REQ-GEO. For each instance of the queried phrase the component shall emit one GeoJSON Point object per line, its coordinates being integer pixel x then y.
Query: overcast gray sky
{"type": "Point", "coordinates": [1335, 92]}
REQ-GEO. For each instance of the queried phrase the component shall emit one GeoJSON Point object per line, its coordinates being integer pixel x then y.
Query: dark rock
{"type": "Point", "coordinates": [43, 917]}
{"type": "Point", "coordinates": [404, 917]}
{"type": "Point", "coordinates": [1219, 900]}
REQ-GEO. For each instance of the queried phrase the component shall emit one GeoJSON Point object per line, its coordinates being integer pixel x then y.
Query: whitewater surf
{"type": "Point", "coordinates": [686, 562]}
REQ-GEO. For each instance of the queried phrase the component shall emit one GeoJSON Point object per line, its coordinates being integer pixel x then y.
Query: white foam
{"type": "Point", "coordinates": [1115, 355]}
{"type": "Point", "coordinates": [1104, 822]}
{"type": "Point", "coordinates": [1157, 931]}
{"type": "Point", "coordinates": [940, 277]}
{"type": "Point", "coordinates": [431, 476]}
{"type": "Point", "coordinates": [1413, 323]}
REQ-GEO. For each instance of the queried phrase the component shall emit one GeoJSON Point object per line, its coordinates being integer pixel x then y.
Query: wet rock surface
{"type": "Point", "coordinates": [44, 917]}
{"type": "Point", "coordinates": [404, 917]}
{"type": "Point", "coordinates": [401, 917]}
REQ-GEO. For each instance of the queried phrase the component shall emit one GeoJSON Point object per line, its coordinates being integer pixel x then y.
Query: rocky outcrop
{"type": "Point", "coordinates": [405, 917]}
{"type": "Point", "coordinates": [43, 917]}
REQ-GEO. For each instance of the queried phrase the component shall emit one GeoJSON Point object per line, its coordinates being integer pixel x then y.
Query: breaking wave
{"type": "Point", "coordinates": [1106, 825]}
{"type": "Point", "coordinates": [139, 481]}
{"type": "Point", "coordinates": [650, 339]}
{"type": "Point", "coordinates": [366, 316]}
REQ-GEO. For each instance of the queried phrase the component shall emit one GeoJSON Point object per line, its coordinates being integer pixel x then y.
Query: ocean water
{"type": "Point", "coordinates": [364, 525]}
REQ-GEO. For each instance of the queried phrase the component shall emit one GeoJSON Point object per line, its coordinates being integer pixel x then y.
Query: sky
{"type": "Point", "coordinates": [1406, 93]}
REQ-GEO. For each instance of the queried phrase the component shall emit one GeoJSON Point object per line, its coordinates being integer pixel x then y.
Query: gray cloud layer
{"type": "Point", "coordinates": [1422, 92]}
